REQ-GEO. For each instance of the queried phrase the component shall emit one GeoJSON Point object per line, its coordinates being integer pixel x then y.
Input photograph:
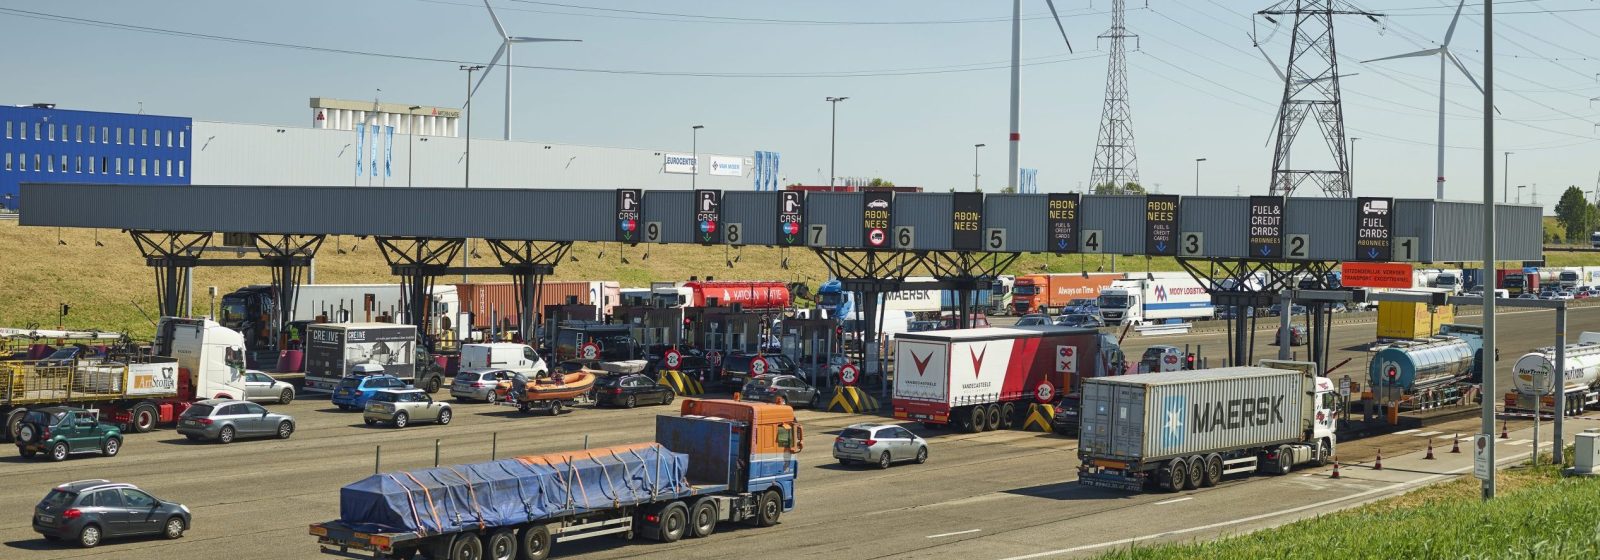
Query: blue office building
{"type": "Point", "coordinates": [42, 144]}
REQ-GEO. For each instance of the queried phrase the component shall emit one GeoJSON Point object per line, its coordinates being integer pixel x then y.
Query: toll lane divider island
{"type": "Point", "coordinates": [1365, 229]}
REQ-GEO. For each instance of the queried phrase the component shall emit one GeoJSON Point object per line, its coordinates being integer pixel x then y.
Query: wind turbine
{"type": "Point", "coordinates": [1016, 78]}
{"type": "Point", "coordinates": [506, 40]}
{"type": "Point", "coordinates": [1444, 55]}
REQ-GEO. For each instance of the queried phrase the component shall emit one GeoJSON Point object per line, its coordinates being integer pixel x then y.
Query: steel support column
{"type": "Point", "coordinates": [529, 262]}
{"type": "Point", "coordinates": [868, 274]}
{"type": "Point", "coordinates": [418, 261]}
{"type": "Point", "coordinates": [172, 254]}
{"type": "Point", "coordinates": [1243, 285]}
{"type": "Point", "coordinates": [289, 256]}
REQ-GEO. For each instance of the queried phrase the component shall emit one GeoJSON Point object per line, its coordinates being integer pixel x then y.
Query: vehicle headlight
{"type": "Point", "coordinates": [184, 508]}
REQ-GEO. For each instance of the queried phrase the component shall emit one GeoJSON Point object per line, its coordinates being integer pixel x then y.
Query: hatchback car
{"type": "Point", "coordinates": [1297, 335]}
{"type": "Point", "coordinates": [881, 444]}
{"type": "Point", "coordinates": [478, 384]}
{"type": "Point", "coordinates": [88, 511]}
{"type": "Point", "coordinates": [62, 431]}
{"type": "Point", "coordinates": [353, 392]}
{"type": "Point", "coordinates": [260, 387]}
{"type": "Point", "coordinates": [794, 390]}
{"type": "Point", "coordinates": [630, 390]}
{"type": "Point", "coordinates": [223, 420]}
{"type": "Point", "coordinates": [403, 407]}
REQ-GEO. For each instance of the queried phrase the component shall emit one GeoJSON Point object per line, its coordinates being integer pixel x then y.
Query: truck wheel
{"type": "Point", "coordinates": [1319, 455]}
{"type": "Point", "coordinates": [768, 509]}
{"type": "Point", "coordinates": [14, 423]}
{"type": "Point", "coordinates": [673, 523]}
{"type": "Point", "coordinates": [994, 416]}
{"type": "Point", "coordinates": [1213, 470]}
{"type": "Point", "coordinates": [60, 451]}
{"type": "Point", "coordinates": [1175, 477]}
{"type": "Point", "coordinates": [433, 385]}
{"type": "Point", "coordinates": [500, 545]}
{"type": "Point", "coordinates": [144, 417]}
{"type": "Point", "coordinates": [1197, 472]}
{"type": "Point", "coordinates": [1008, 416]}
{"type": "Point", "coordinates": [980, 419]}
{"type": "Point", "coordinates": [466, 547]}
{"type": "Point", "coordinates": [703, 518]}
{"type": "Point", "coordinates": [535, 541]}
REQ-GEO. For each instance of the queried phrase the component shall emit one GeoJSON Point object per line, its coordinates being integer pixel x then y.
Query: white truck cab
{"type": "Point", "coordinates": [507, 355]}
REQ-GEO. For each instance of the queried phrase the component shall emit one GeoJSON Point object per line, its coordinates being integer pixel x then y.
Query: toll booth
{"type": "Point", "coordinates": [728, 329]}
{"type": "Point", "coordinates": [656, 325]}
{"type": "Point", "coordinates": [814, 344]}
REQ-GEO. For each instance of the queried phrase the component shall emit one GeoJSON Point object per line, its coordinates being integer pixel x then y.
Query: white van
{"type": "Point", "coordinates": [505, 355]}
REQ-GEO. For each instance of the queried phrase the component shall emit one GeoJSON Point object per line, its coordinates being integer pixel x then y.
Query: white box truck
{"type": "Point", "coordinates": [1186, 429]}
{"type": "Point", "coordinates": [1138, 302]}
{"type": "Point", "coordinates": [333, 350]}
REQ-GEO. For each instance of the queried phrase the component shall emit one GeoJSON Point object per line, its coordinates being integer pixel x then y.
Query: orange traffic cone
{"type": "Point", "coordinates": [1503, 434]}
{"type": "Point", "coordinates": [1456, 447]}
{"type": "Point", "coordinates": [1429, 456]}
{"type": "Point", "coordinates": [1335, 469]}
{"type": "Point", "coordinates": [1378, 464]}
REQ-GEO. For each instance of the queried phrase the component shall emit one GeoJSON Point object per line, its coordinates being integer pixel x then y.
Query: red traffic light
{"type": "Point", "coordinates": [1189, 361]}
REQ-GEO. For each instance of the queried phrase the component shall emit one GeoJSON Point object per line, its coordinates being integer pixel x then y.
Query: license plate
{"type": "Point", "coordinates": [850, 445]}
{"type": "Point", "coordinates": [47, 519]}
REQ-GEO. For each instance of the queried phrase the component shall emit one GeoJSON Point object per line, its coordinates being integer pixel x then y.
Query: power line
{"type": "Point", "coordinates": [645, 15]}
{"type": "Point", "coordinates": [947, 69]}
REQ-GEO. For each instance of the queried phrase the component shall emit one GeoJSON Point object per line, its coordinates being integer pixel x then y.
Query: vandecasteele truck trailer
{"type": "Point", "coordinates": [1186, 429]}
{"type": "Point", "coordinates": [982, 379]}
{"type": "Point", "coordinates": [719, 461]}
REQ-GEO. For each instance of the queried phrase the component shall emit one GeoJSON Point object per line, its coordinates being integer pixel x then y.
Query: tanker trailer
{"type": "Point", "coordinates": [1532, 376]}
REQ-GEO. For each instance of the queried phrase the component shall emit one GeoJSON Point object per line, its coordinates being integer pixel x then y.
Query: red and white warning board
{"type": "Point", "coordinates": [849, 375]}
{"type": "Point", "coordinates": [590, 351]}
{"type": "Point", "coordinates": [758, 366]}
{"type": "Point", "coordinates": [673, 358]}
{"type": "Point", "coordinates": [1045, 392]}
{"type": "Point", "coordinates": [1066, 359]}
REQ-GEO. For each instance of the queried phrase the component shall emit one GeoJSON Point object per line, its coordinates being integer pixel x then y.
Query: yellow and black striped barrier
{"type": "Point", "coordinates": [683, 385]}
{"type": "Point", "coordinates": [851, 399]}
{"type": "Point", "coordinates": [1039, 416]}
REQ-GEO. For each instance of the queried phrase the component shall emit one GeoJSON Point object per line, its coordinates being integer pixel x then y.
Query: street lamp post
{"type": "Point", "coordinates": [411, 141]}
{"type": "Point", "coordinates": [694, 143]}
{"type": "Point", "coordinates": [975, 165]}
{"type": "Point", "coordinates": [466, 180]}
{"type": "Point", "coordinates": [1519, 193]}
{"type": "Point", "coordinates": [1505, 178]}
{"type": "Point", "coordinates": [1197, 175]}
{"type": "Point", "coordinates": [833, 137]}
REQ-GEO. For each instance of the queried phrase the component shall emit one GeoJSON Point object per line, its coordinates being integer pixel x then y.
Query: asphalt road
{"type": "Point", "coordinates": [989, 495]}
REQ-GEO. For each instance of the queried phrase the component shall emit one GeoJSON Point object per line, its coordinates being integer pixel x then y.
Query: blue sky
{"type": "Point", "coordinates": [1198, 87]}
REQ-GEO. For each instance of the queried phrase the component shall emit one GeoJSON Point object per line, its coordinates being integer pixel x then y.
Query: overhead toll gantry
{"type": "Point", "coordinates": [1244, 250]}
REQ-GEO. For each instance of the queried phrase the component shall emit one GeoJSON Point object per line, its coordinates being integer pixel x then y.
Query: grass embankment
{"type": "Point", "coordinates": [1537, 514]}
{"type": "Point", "coordinates": [103, 282]}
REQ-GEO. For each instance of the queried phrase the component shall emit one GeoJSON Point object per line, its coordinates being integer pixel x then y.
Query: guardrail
{"type": "Point", "coordinates": [1162, 329]}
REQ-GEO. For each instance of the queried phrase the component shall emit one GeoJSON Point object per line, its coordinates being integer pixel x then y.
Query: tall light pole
{"type": "Point", "coordinates": [411, 141]}
{"type": "Point", "coordinates": [1352, 174]}
{"type": "Point", "coordinates": [1488, 386]}
{"type": "Point", "coordinates": [466, 181]}
{"type": "Point", "coordinates": [975, 165]}
{"type": "Point", "coordinates": [1519, 193]}
{"type": "Point", "coordinates": [1505, 179]}
{"type": "Point", "coordinates": [833, 137]}
{"type": "Point", "coordinates": [694, 143]}
{"type": "Point", "coordinates": [1197, 175]}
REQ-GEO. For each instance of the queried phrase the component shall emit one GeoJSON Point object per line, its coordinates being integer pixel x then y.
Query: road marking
{"type": "Point", "coordinates": [1519, 442]}
{"type": "Point", "coordinates": [953, 534]}
{"type": "Point", "coordinates": [1324, 503]}
{"type": "Point", "coordinates": [1175, 500]}
{"type": "Point", "coordinates": [1426, 434]}
{"type": "Point", "coordinates": [1407, 431]}
{"type": "Point", "coordinates": [1467, 438]}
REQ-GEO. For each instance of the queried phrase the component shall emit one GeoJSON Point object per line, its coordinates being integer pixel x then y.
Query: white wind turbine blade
{"type": "Point", "coordinates": [1453, 20]}
{"type": "Point", "coordinates": [1274, 65]}
{"type": "Point", "coordinates": [501, 29]}
{"type": "Point", "coordinates": [1465, 72]}
{"type": "Point", "coordinates": [1057, 17]}
{"type": "Point", "coordinates": [1428, 52]}
{"type": "Point", "coordinates": [541, 40]}
{"type": "Point", "coordinates": [488, 68]}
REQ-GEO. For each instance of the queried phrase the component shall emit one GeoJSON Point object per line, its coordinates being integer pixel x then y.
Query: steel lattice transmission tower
{"type": "Point", "coordinates": [1311, 90]}
{"type": "Point", "coordinates": [1115, 162]}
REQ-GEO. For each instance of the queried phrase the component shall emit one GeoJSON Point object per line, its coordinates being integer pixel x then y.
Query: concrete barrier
{"type": "Point", "coordinates": [852, 400]}
{"type": "Point", "coordinates": [682, 384]}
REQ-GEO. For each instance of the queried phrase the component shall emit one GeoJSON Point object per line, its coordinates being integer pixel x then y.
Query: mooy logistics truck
{"type": "Point", "coordinates": [719, 461]}
{"type": "Point", "coordinates": [1140, 302]}
{"type": "Point", "coordinates": [1186, 429]}
{"type": "Point", "coordinates": [984, 379]}
{"type": "Point", "coordinates": [192, 359]}
{"type": "Point", "coordinates": [1533, 377]}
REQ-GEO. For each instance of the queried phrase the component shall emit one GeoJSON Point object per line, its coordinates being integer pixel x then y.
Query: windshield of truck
{"type": "Point", "coordinates": [1025, 290]}
{"type": "Point", "coordinates": [1113, 302]}
{"type": "Point", "coordinates": [231, 313]}
{"type": "Point", "coordinates": [1152, 354]}
{"type": "Point", "coordinates": [1569, 276]}
{"type": "Point", "coordinates": [854, 433]}
{"type": "Point", "coordinates": [199, 411]}
{"type": "Point", "coordinates": [1445, 281]}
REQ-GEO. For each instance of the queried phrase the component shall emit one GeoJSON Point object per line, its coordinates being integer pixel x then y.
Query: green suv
{"type": "Point", "coordinates": [61, 431]}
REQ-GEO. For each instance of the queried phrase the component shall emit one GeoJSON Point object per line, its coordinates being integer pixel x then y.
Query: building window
{"type": "Point", "coordinates": [157, 132]}
{"type": "Point", "coordinates": [119, 135]}
{"type": "Point", "coordinates": [180, 168]}
{"type": "Point", "coordinates": [130, 143]}
{"type": "Point", "coordinates": [36, 135]}
{"type": "Point", "coordinates": [64, 134]}
{"type": "Point", "coordinates": [105, 134]}
{"type": "Point", "coordinates": [91, 134]}
{"type": "Point", "coordinates": [182, 137]}
{"type": "Point", "coordinates": [50, 130]}
{"type": "Point", "coordinates": [119, 166]}
{"type": "Point", "coordinates": [77, 133]}
{"type": "Point", "coordinates": [64, 167]}
{"type": "Point", "coordinates": [90, 168]}
{"type": "Point", "coordinates": [8, 159]}
{"type": "Point", "coordinates": [8, 130]}
{"type": "Point", "coordinates": [144, 168]}
{"type": "Point", "coordinates": [144, 137]}
{"type": "Point", "coordinates": [169, 168]}
{"type": "Point", "coordinates": [169, 139]}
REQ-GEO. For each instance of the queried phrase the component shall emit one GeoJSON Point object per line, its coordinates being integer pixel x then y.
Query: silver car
{"type": "Point", "coordinates": [404, 406]}
{"type": "Point", "coordinates": [478, 384]}
{"type": "Point", "coordinates": [223, 420]}
{"type": "Point", "coordinates": [881, 444]}
{"type": "Point", "coordinates": [260, 387]}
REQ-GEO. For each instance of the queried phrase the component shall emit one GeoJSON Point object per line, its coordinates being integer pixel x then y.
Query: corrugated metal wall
{"type": "Point", "coordinates": [1331, 223]}
{"type": "Point", "coordinates": [247, 154]}
{"type": "Point", "coordinates": [929, 213]}
{"type": "Point", "coordinates": [675, 211]}
{"type": "Point", "coordinates": [1223, 221]}
{"type": "Point", "coordinates": [1119, 218]}
{"type": "Point", "coordinates": [1163, 440]}
{"type": "Point", "coordinates": [1458, 232]}
{"type": "Point", "coordinates": [1023, 216]}
{"type": "Point", "coordinates": [842, 213]}
{"type": "Point", "coordinates": [1414, 218]}
{"type": "Point", "coordinates": [756, 213]}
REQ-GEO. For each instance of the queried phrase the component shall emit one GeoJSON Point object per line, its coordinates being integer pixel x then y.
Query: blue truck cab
{"type": "Point", "coordinates": [718, 461]}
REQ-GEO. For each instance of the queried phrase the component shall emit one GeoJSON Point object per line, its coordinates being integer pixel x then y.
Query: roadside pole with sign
{"type": "Point", "coordinates": [849, 375]}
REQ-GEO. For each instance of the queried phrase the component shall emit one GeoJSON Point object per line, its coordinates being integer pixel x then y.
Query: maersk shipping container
{"type": "Point", "coordinates": [1157, 416]}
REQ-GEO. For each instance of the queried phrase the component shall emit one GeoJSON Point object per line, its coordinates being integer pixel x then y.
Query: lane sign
{"type": "Point", "coordinates": [590, 351]}
{"type": "Point", "coordinates": [994, 239]}
{"type": "Point", "coordinates": [849, 375]}
{"type": "Point", "coordinates": [966, 221]}
{"type": "Point", "coordinates": [1062, 219]}
{"type": "Point", "coordinates": [1093, 241]}
{"type": "Point", "coordinates": [1191, 244]}
{"type": "Point", "coordinates": [1266, 227]}
{"type": "Point", "coordinates": [734, 233]}
{"type": "Point", "coordinates": [707, 216]}
{"type": "Point", "coordinates": [652, 232]}
{"type": "Point", "coordinates": [1297, 246]}
{"type": "Point", "coordinates": [630, 206]}
{"type": "Point", "coordinates": [673, 359]}
{"type": "Point", "coordinates": [1374, 229]}
{"type": "Point", "coordinates": [817, 235]}
{"type": "Point", "coordinates": [1161, 225]}
{"type": "Point", "coordinates": [877, 212]}
{"type": "Point", "coordinates": [1407, 249]}
{"type": "Point", "coordinates": [905, 237]}
{"type": "Point", "coordinates": [791, 218]}
{"type": "Point", "coordinates": [1045, 392]}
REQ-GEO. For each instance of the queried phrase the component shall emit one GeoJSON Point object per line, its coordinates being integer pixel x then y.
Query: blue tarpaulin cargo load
{"type": "Point", "coordinates": [513, 491]}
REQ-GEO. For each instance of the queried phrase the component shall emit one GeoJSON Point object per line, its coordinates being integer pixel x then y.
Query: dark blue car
{"type": "Point", "coordinates": [353, 392]}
